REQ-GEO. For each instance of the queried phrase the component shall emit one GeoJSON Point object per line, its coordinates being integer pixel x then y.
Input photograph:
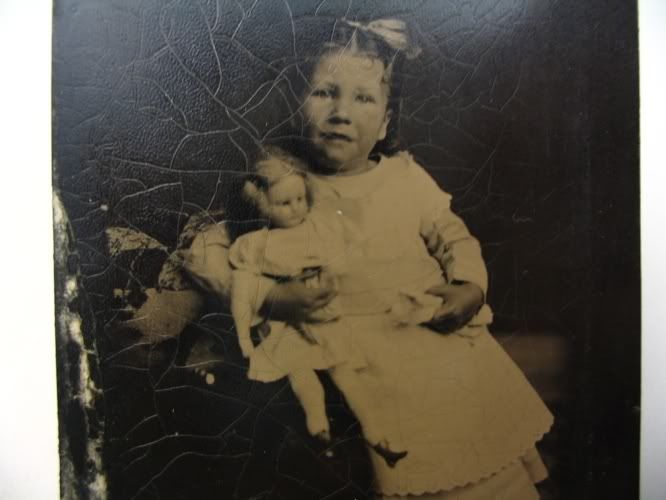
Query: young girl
{"type": "Point", "coordinates": [302, 242]}
{"type": "Point", "coordinates": [455, 401]}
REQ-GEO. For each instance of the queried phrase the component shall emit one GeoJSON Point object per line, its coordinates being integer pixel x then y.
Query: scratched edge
{"type": "Point", "coordinates": [80, 422]}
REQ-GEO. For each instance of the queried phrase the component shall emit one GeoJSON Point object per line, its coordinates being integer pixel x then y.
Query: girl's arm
{"type": "Point", "coordinates": [295, 302]}
{"type": "Point", "coordinates": [459, 254]}
{"type": "Point", "coordinates": [457, 251]}
{"type": "Point", "coordinates": [207, 262]}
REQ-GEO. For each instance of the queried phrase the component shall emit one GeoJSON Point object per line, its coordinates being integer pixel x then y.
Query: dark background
{"type": "Point", "coordinates": [526, 111]}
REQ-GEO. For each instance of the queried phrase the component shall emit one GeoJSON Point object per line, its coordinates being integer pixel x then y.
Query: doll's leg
{"type": "Point", "coordinates": [310, 394]}
{"type": "Point", "coordinates": [361, 402]}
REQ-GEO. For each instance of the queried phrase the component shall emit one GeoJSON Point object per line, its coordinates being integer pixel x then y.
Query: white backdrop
{"type": "Point", "coordinates": [28, 420]}
{"type": "Point", "coordinates": [653, 207]}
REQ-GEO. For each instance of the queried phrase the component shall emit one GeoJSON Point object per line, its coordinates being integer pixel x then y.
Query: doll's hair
{"type": "Point", "coordinates": [268, 173]}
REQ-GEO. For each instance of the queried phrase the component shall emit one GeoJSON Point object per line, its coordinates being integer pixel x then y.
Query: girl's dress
{"type": "Point", "coordinates": [328, 240]}
{"type": "Point", "coordinates": [456, 402]}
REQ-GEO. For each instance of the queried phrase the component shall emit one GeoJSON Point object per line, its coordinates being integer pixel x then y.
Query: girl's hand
{"type": "Point", "coordinates": [296, 301]}
{"type": "Point", "coordinates": [461, 302]}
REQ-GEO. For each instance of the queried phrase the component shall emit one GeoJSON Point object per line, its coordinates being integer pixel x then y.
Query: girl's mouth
{"type": "Point", "coordinates": [334, 136]}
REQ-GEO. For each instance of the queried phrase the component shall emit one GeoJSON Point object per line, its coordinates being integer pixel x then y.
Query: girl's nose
{"type": "Point", "coordinates": [340, 111]}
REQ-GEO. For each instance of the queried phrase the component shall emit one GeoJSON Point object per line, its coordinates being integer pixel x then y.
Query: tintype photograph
{"type": "Point", "coordinates": [311, 249]}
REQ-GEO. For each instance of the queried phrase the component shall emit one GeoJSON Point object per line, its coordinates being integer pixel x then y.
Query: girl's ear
{"type": "Point", "coordinates": [383, 129]}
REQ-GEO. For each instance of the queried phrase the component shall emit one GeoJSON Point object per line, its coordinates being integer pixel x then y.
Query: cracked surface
{"type": "Point", "coordinates": [158, 109]}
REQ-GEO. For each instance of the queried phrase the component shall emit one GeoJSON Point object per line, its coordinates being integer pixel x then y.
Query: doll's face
{"type": "Point", "coordinates": [287, 201]}
{"type": "Point", "coordinates": [346, 111]}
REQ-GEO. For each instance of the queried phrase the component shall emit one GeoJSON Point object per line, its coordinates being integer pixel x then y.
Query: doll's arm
{"type": "Point", "coordinates": [248, 293]}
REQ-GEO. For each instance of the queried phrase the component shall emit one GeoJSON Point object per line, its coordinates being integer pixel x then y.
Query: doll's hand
{"type": "Point", "coordinates": [296, 301]}
{"type": "Point", "coordinates": [461, 302]}
{"type": "Point", "coordinates": [247, 348]}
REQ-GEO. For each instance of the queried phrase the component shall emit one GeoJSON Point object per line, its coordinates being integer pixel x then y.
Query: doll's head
{"type": "Point", "coordinates": [354, 94]}
{"type": "Point", "coordinates": [279, 189]}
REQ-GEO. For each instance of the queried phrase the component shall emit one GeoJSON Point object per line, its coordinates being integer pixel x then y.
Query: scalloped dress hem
{"type": "Point", "coordinates": [514, 481]}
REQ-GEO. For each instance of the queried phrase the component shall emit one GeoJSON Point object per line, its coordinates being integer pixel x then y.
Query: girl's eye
{"type": "Point", "coordinates": [322, 93]}
{"type": "Point", "coordinates": [365, 98]}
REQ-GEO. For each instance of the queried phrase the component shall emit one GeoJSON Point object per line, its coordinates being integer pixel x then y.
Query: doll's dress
{"type": "Point", "coordinates": [322, 241]}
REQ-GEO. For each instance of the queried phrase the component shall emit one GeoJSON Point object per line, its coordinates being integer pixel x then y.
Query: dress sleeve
{"type": "Point", "coordinates": [207, 261]}
{"type": "Point", "coordinates": [446, 236]}
{"type": "Point", "coordinates": [248, 250]}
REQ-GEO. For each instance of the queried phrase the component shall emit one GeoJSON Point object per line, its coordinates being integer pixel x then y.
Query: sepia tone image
{"type": "Point", "coordinates": [311, 249]}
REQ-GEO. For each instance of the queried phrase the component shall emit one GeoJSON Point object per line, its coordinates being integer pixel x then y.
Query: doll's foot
{"type": "Point", "coordinates": [323, 437]}
{"type": "Point", "coordinates": [319, 428]}
{"type": "Point", "coordinates": [391, 457]}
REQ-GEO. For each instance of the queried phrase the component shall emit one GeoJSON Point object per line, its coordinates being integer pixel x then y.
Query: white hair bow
{"type": "Point", "coordinates": [392, 31]}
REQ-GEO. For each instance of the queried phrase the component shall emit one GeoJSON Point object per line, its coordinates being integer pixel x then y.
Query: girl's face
{"type": "Point", "coordinates": [287, 201]}
{"type": "Point", "coordinates": [346, 111]}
